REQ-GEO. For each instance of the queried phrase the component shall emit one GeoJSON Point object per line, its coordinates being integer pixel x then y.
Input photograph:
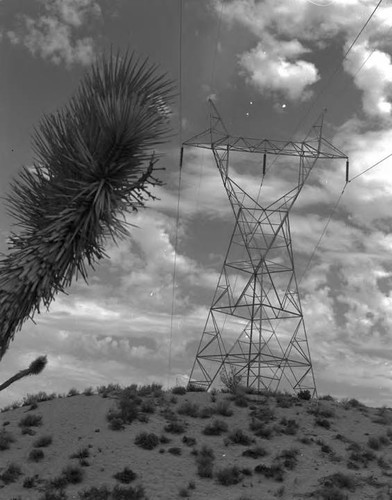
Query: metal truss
{"type": "Point", "coordinates": [255, 327]}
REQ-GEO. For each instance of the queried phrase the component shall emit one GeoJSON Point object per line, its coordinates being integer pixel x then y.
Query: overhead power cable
{"type": "Point", "coordinates": [179, 190]}
{"type": "Point", "coordinates": [369, 168]}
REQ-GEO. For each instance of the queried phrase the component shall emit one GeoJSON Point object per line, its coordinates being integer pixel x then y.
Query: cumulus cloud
{"type": "Point", "coordinates": [54, 36]}
{"type": "Point", "coordinates": [270, 67]}
{"type": "Point", "coordinates": [374, 79]}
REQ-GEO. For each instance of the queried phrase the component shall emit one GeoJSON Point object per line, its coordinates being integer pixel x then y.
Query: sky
{"type": "Point", "coordinates": [271, 67]}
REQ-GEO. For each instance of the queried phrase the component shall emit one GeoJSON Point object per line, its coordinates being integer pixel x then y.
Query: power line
{"type": "Point", "coordinates": [372, 166]}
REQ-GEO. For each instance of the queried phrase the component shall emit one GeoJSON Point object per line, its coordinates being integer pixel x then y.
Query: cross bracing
{"type": "Point", "coordinates": [255, 327]}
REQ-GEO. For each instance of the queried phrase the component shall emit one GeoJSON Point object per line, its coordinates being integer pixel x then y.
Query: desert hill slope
{"type": "Point", "coordinates": [145, 443]}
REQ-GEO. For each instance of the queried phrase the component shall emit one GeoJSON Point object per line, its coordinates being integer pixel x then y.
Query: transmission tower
{"type": "Point", "coordinates": [255, 327]}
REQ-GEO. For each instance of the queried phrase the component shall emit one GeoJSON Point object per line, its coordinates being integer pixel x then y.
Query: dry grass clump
{"type": "Point", "coordinates": [189, 409]}
{"type": "Point", "coordinates": [30, 421]}
{"type": "Point", "coordinates": [43, 441]}
{"type": "Point", "coordinates": [229, 475]}
{"type": "Point", "coordinates": [237, 436]}
{"type": "Point", "coordinates": [275, 471]}
{"type": "Point", "coordinates": [179, 390]}
{"type": "Point", "coordinates": [223, 408]}
{"type": "Point", "coordinates": [255, 452]}
{"type": "Point", "coordinates": [5, 439]}
{"type": "Point", "coordinates": [205, 461]}
{"type": "Point", "coordinates": [216, 428]}
{"type": "Point", "coordinates": [11, 473]}
{"type": "Point", "coordinates": [36, 455]}
{"type": "Point", "coordinates": [125, 476]}
{"type": "Point", "coordinates": [146, 440]}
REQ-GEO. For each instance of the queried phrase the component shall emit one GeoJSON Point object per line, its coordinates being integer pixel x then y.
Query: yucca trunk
{"type": "Point", "coordinates": [35, 368]}
{"type": "Point", "coordinates": [95, 162]}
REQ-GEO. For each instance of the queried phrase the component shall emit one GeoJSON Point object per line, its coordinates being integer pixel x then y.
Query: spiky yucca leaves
{"type": "Point", "coordinates": [35, 368]}
{"type": "Point", "coordinates": [95, 163]}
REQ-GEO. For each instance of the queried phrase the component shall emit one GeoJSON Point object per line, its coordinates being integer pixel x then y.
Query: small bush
{"type": "Point", "coordinates": [240, 399]}
{"type": "Point", "coordinates": [179, 390]}
{"type": "Point", "coordinates": [30, 482]}
{"type": "Point", "coordinates": [175, 427]}
{"type": "Point", "coordinates": [230, 379]}
{"type": "Point", "coordinates": [126, 476]}
{"type": "Point", "coordinates": [31, 421]}
{"type": "Point", "coordinates": [43, 441]}
{"type": "Point", "coordinates": [304, 395]}
{"type": "Point", "coordinates": [164, 439]}
{"type": "Point", "coordinates": [116, 424]}
{"type": "Point", "coordinates": [189, 441]}
{"type": "Point", "coordinates": [223, 409]}
{"type": "Point", "coordinates": [175, 450]}
{"type": "Point", "coordinates": [260, 429]}
{"type": "Point", "coordinates": [5, 439]}
{"type": "Point", "coordinates": [288, 458]}
{"type": "Point", "coordinates": [339, 480]}
{"type": "Point", "coordinates": [129, 493]}
{"type": "Point", "coordinates": [229, 476]}
{"type": "Point", "coordinates": [153, 389]}
{"type": "Point", "coordinates": [148, 406]}
{"type": "Point", "coordinates": [206, 412]}
{"type": "Point", "coordinates": [327, 493]}
{"type": "Point", "coordinates": [215, 428]}
{"type": "Point", "coordinates": [193, 387]}
{"type": "Point", "coordinates": [72, 474]}
{"type": "Point", "coordinates": [239, 437]}
{"type": "Point", "coordinates": [11, 473]}
{"type": "Point", "coordinates": [290, 427]}
{"type": "Point", "coordinates": [189, 409]}
{"type": "Point", "coordinates": [284, 400]}
{"type": "Point", "coordinates": [322, 422]}
{"type": "Point", "coordinates": [89, 391]}
{"type": "Point", "coordinates": [93, 493]}
{"type": "Point", "coordinates": [73, 392]}
{"type": "Point", "coordinates": [36, 455]}
{"type": "Point", "coordinates": [265, 414]}
{"type": "Point", "coordinates": [273, 472]}
{"type": "Point", "coordinates": [183, 493]}
{"type": "Point", "coordinates": [128, 409]}
{"type": "Point", "coordinates": [148, 441]}
{"type": "Point", "coordinates": [82, 453]}
{"type": "Point", "coordinates": [28, 430]}
{"type": "Point", "coordinates": [255, 452]}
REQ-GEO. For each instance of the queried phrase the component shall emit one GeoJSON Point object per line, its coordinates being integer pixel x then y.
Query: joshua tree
{"type": "Point", "coordinates": [35, 368]}
{"type": "Point", "coordinates": [94, 163]}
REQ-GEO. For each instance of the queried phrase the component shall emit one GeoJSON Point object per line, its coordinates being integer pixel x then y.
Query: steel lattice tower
{"type": "Point", "coordinates": [255, 326]}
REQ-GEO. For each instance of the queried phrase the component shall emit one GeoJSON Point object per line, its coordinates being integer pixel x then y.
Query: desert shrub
{"type": "Point", "coordinates": [5, 439]}
{"type": "Point", "coordinates": [239, 437]}
{"type": "Point", "coordinates": [359, 456]}
{"type": "Point", "coordinates": [322, 422]}
{"type": "Point", "coordinates": [327, 493]}
{"type": "Point", "coordinates": [230, 379]}
{"type": "Point", "coordinates": [290, 426]}
{"type": "Point", "coordinates": [255, 452]}
{"type": "Point", "coordinates": [383, 463]}
{"type": "Point", "coordinates": [175, 427]}
{"type": "Point", "coordinates": [43, 441]}
{"type": "Point", "coordinates": [28, 430]}
{"type": "Point", "coordinates": [284, 400]}
{"type": "Point", "coordinates": [204, 460]}
{"type": "Point", "coordinates": [128, 408]}
{"type": "Point", "coordinates": [146, 440]}
{"type": "Point", "coordinates": [189, 409]}
{"type": "Point", "coordinates": [215, 428]}
{"type": "Point", "coordinates": [11, 473]}
{"type": "Point", "coordinates": [305, 440]}
{"type": "Point", "coordinates": [193, 387]}
{"type": "Point", "coordinates": [148, 406]}
{"type": "Point", "coordinates": [73, 392]}
{"type": "Point", "coordinates": [189, 441]}
{"type": "Point", "coordinates": [30, 482]}
{"type": "Point", "coordinates": [175, 450]}
{"type": "Point", "coordinates": [30, 399]}
{"type": "Point", "coordinates": [264, 414]}
{"type": "Point", "coordinates": [184, 492]}
{"type": "Point", "coordinates": [179, 390]}
{"type": "Point", "coordinates": [274, 471]}
{"type": "Point", "coordinates": [223, 408]}
{"type": "Point", "coordinates": [240, 398]}
{"type": "Point", "coordinates": [106, 390]}
{"type": "Point", "coordinates": [153, 389]}
{"type": "Point", "coordinates": [164, 439]}
{"type": "Point", "coordinates": [339, 480]}
{"type": "Point", "coordinates": [374, 443]}
{"type": "Point", "coordinates": [94, 493]}
{"type": "Point", "coordinates": [54, 495]}
{"type": "Point", "coordinates": [89, 391]}
{"type": "Point", "coordinates": [81, 453]}
{"type": "Point", "coordinates": [260, 429]}
{"type": "Point", "coordinates": [72, 474]}
{"type": "Point", "coordinates": [125, 476]}
{"type": "Point", "coordinates": [116, 423]}
{"type": "Point", "coordinates": [351, 403]}
{"type": "Point", "coordinates": [36, 455]}
{"type": "Point", "coordinates": [206, 412]}
{"type": "Point", "coordinates": [304, 395]}
{"type": "Point", "coordinates": [229, 476]}
{"type": "Point", "coordinates": [288, 458]}
{"type": "Point", "coordinates": [326, 398]}
{"type": "Point", "coordinates": [128, 493]}
{"type": "Point", "coordinates": [31, 421]}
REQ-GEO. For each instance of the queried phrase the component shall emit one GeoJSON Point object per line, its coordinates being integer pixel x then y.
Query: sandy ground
{"type": "Point", "coordinates": [80, 421]}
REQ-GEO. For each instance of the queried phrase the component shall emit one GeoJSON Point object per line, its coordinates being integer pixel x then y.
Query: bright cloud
{"type": "Point", "coordinates": [268, 67]}
{"type": "Point", "coordinates": [53, 36]}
